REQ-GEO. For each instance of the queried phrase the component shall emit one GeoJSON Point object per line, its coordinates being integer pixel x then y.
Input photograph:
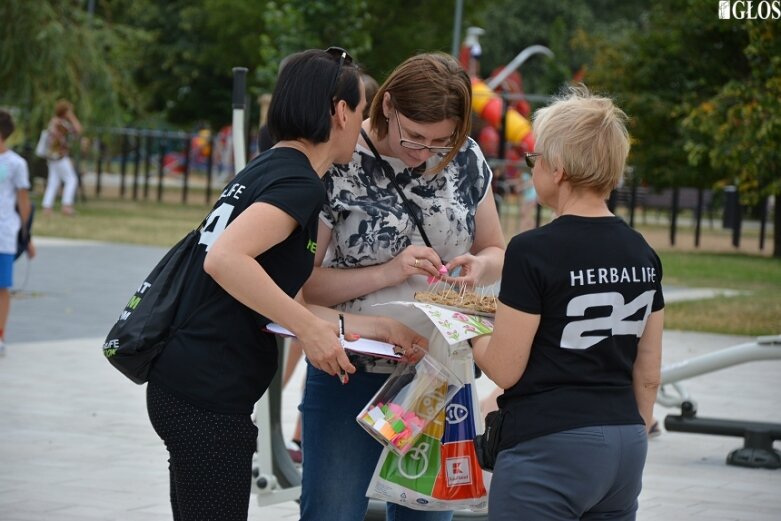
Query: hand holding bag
{"type": "Point", "coordinates": [145, 325]}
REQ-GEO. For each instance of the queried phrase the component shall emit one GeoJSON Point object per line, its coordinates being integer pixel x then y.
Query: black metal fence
{"type": "Point", "coordinates": [147, 164]}
{"type": "Point", "coordinates": [144, 164]}
{"type": "Point", "coordinates": [699, 205]}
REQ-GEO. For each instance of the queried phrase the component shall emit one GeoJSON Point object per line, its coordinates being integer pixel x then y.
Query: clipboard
{"type": "Point", "coordinates": [363, 346]}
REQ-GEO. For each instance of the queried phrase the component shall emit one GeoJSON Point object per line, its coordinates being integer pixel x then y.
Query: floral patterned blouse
{"type": "Point", "coordinates": [370, 224]}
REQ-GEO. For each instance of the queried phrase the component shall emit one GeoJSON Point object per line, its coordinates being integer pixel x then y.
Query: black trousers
{"type": "Point", "coordinates": [210, 461]}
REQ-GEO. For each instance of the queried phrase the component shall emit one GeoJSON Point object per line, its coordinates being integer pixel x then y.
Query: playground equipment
{"type": "Point", "coordinates": [490, 106]}
{"type": "Point", "coordinates": [757, 450]}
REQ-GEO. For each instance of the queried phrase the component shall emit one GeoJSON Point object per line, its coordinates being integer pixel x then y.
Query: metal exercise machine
{"type": "Point", "coordinates": [758, 437]}
{"type": "Point", "coordinates": [275, 478]}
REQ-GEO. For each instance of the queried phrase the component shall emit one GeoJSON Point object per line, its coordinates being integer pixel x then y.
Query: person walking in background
{"type": "Point", "coordinates": [258, 248]}
{"type": "Point", "coordinates": [14, 193]}
{"type": "Point", "coordinates": [61, 127]}
{"type": "Point", "coordinates": [370, 250]}
{"type": "Point", "coordinates": [577, 338]}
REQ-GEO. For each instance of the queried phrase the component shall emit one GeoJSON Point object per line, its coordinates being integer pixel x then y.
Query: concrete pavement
{"type": "Point", "coordinates": [76, 444]}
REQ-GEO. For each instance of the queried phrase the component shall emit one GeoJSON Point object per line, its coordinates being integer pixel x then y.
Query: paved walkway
{"type": "Point", "coordinates": [75, 442]}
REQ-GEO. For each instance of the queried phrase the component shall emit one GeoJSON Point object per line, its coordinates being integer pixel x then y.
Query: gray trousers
{"type": "Point", "coordinates": [590, 473]}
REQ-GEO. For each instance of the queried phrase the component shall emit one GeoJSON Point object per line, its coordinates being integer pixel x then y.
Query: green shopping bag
{"type": "Point", "coordinates": [440, 470]}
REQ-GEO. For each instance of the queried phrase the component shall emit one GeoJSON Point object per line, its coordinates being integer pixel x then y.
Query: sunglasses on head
{"type": "Point", "coordinates": [531, 158]}
{"type": "Point", "coordinates": [344, 57]}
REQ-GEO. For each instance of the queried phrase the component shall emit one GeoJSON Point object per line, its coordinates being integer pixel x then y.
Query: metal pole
{"type": "Point", "coordinates": [457, 28]}
{"type": "Point", "coordinates": [517, 62]}
{"type": "Point", "coordinates": [763, 221]}
{"type": "Point", "coordinates": [147, 153]}
{"type": "Point", "coordinates": [186, 173]}
{"type": "Point", "coordinates": [123, 165]}
{"type": "Point", "coordinates": [698, 217]}
{"type": "Point", "coordinates": [674, 215]}
{"type": "Point", "coordinates": [136, 164]}
{"type": "Point", "coordinates": [99, 166]}
{"type": "Point", "coordinates": [239, 130]}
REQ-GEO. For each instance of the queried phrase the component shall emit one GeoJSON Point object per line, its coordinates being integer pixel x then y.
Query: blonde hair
{"type": "Point", "coordinates": [428, 88]}
{"type": "Point", "coordinates": [586, 136]}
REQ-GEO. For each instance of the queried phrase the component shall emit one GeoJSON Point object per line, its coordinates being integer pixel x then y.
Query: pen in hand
{"type": "Point", "coordinates": [342, 374]}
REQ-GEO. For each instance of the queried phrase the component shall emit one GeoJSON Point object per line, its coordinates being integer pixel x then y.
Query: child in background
{"type": "Point", "coordinates": [14, 187]}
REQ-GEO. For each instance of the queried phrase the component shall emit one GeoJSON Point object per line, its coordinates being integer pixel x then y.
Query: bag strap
{"type": "Point", "coordinates": [386, 168]}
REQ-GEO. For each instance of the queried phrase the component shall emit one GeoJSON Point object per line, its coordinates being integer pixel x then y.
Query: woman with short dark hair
{"type": "Point", "coordinates": [259, 245]}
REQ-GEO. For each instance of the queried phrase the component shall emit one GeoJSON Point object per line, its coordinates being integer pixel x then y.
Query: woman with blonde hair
{"type": "Point", "coordinates": [422, 203]}
{"type": "Point", "coordinates": [578, 333]}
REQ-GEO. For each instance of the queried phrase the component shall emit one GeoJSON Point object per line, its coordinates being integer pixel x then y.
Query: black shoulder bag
{"type": "Point", "coordinates": [487, 444]}
{"type": "Point", "coordinates": [386, 168]}
{"type": "Point", "coordinates": [146, 324]}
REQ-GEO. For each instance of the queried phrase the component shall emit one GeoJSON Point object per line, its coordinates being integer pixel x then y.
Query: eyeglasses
{"type": "Point", "coordinates": [344, 57]}
{"type": "Point", "coordinates": [531, 158]}
{"type": "Point", "coordinates": [414, 145]}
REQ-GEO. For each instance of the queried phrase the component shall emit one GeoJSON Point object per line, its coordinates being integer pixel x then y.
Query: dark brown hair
{"type": "Point", "coordinates": [428, 88]}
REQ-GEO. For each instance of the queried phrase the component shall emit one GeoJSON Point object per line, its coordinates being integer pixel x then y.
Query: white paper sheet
{"type": "Point", "coordinates": [364, 346]}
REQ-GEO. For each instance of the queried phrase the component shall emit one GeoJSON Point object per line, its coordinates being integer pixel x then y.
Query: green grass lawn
{"type": "Point", "coordinates": [123, 221]}
{"type": "Point", "coordinates": [757, 312]}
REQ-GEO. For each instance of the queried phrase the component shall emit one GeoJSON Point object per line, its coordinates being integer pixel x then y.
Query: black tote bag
{"type": "Point", "coordinates": [146, 323]}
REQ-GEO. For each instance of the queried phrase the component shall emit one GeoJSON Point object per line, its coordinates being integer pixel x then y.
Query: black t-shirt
{"type": "Point", "coordinates": [594, 282]}
{"type": "Point", "coordinates": [219, 358]}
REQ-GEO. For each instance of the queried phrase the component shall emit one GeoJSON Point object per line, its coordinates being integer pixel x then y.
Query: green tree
{"type": "Point", "coordinates": [54, 49]}
{"type": "Point", "coordinates": [679, 57]}
{"type": "Point", "coordinates": [401, 28]}
{"type": "Point", "coordinates": [513, 25]}
{"type": "Point", "coordinates": [379, 34]}
{"type": "Point", "coordinates": [295, 25]}
{"type": "Point", "coordinates": [185, 70]}
{"type": "Point", "coordinates": [738, 130]}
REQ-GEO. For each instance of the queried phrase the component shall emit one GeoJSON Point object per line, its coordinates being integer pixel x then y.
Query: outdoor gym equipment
{"type": "Point", "coordinates": [275, 478]}
{"type": "Point", "coordinates": [757, 450]}
{"type": "Point", "coordinates": [489, 105]}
